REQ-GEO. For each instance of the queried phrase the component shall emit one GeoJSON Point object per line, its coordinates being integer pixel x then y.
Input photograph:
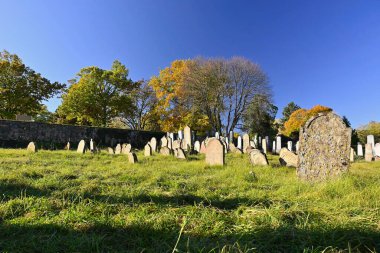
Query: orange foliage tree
{"type": "Point", "coordinates": [298, 119]}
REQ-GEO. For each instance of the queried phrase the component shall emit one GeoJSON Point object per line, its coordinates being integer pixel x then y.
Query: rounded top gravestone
{"type": "Point", "coordinates": [215, 152]}
{"type": "Point", "coordinates": [324, 151]}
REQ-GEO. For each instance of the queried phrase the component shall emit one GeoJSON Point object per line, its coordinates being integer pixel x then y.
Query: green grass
{"type": "Point", "coordinates": [61, 201]}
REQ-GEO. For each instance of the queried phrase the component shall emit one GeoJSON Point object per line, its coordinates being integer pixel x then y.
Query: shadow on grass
{"type": "Point", "coordinates": [10, 190]}
{"type": "Point", "coordinates": [103, 238]}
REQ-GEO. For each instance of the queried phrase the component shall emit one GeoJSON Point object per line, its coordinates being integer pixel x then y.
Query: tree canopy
{"type": "Point", "coordinates": [97, 95]}
{"type": "Point", "coordinates": [22, 90]}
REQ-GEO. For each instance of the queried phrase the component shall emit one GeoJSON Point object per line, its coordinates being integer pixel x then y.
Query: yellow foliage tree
{"type": "Point", "coordinates": [298, 119]}
{"type": "Point", "coordinates": [172, 106]}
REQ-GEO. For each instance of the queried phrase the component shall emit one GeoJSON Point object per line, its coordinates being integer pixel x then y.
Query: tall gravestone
{"type": "Point", "coordinates": [197, 146]}
{"type": "Point", "coordinates": [368, 152]}
{"type": "Point", "coordinates": [278, 144]}
{"type": "Point", "coordinates": [246, 143]}
{"type": "Point", "coordinates": [274, 147]}
{"type": "Point", "coordinates": [377, 149]}
{"type": "Point", "coordinates": [215, 152]}
{"type": "Point", "coordinates": [118, 149]}
{"type": "Point", "coordinates": [371, 140]}
{"type": "Point", "coordinates": [153, 144]}
{"type": "Point", "coordinates": [164, 141]}
{"type": "Point", "coordinates": [180, 135]}
{"type": "Point", "coordinates": [360, 150]}
{"type": "Point", "coordinates": [324, 152]}
{"type": "Point", "coordinates": [187, 136]}
{"type": "Point", "coordinates": [264, 146]}
{"type": "Point", "coordinates": [81, 147]}
{"type": "Point", "coordinates": [239, 143]}
{"type": "Point", "coordinates": [290, 145]}
{"type": "Point", "coordinates": [231, 139]}
{"type": "Point", "coordinates": [147, 150]}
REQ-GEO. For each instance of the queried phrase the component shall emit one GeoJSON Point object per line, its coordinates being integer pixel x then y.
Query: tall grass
{"type": "Point", "coordinates": [61, 201]}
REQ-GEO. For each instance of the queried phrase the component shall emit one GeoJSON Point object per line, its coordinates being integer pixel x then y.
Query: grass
{"type": "Point", "coordinates": [61, 201]}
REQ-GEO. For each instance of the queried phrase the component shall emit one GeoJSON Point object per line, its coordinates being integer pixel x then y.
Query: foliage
{"type": "Point", "coordinates": [260, 117]}
{"type": "Point", "coordinates": [372, 128]}
{"type": "Point", "coordinates": [97, 95]}
{"type": "Point", "coordinates": [298, 119]}
{"type": "Point", "coordinates": [44, 115]}
{"type": "Point", "coordinates": [288, 110]}
{"type": "Point", "coordinates": [54, 201]}
{"type": "Point", "coordinates": [22, 90]}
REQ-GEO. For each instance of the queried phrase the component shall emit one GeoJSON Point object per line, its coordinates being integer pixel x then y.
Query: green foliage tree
{"type": "Point", "coordinates": [97, 95]}
{"type": "Point", "coordinates": [44, 115]}
{"type": "Point", "coordinates": [260, 117]}
{"type": "Point", "coordinates": [372, 128]}
{"type": "Point", "coordinates": [22, 90]}
{"type": "Point", "coordinates": [288, 110]}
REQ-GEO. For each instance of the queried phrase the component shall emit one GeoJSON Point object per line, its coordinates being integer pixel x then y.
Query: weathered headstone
{"type": "Point", "coordinates": [197, 146]}
{"type": "Point", "coordinates": [176, 144]}
{"type": "Point", "coordinates": [252, 143]}
{"type": "Point", "coordinates": [278, 144]}
{"type": "Point", "coordinates": [297, 146]}
{"type": "Point", "coordinates": [288, 158]}
{"type": "Point", "coordinates": [153, 144]}
{"type": "Point", "coordinates": [180, 153]}
{"type": "Point", "coordinates": [290, 145]}
{"type": "Point", "coordinates": [31, 147]}
{"type": "Point", "coordinates": [132, 157]}
{"type": "Point", "coordinates": [239, 143]}
{"type": "Point", "coordinates": [67, 147]}
{"type": "Point", "coordinates": [360, 150]}
{"type": "Point", "coordinates": [256, 157]}
{"type": "Point", "coordinates": [264, 145]}
{"type": "Point", "coordinates": [187, 136]}
{"type": "Point", "coordinates": [147, 150]}
{"type": "Point", "coordinates": [274, 147]}
{"type": "Point", "coordinates": [164, 142]}
{"type": "Point", "coordinates": [118, 149]}
{"type": "Point", "coordinates": [215, 152]}
{"type": "Point", "coordinates": [246, 143]}
{"type": "Point", "coordinates": [217, 135]}
{"type": "Point", "coordinates": [352, 155]}
{"type": "Point", "coordinates": [377, 149]}
{"type": "Point", "coordinates": [126, 148]}
{"type": "Point", "coordinates": [165, 151]}
{"type": "Point", "coordinates": [180, 135]}
{"type": "Point", "coordinates": [368, 152]}
{"type": "Point", "coordinates": [324, 151]}
{"type": "Point", "coordinates": [371, 140]}
{"type": "Point", "coordinates": [111, 151]}
{"type": "Point", "coordinates": [231, 137]}
{"type": "Point", "coordinates": [81, 147]}
{"type": "Point", "coordinates": [203, 148]}
{"type": "Point", "coordinates": [92, 148]}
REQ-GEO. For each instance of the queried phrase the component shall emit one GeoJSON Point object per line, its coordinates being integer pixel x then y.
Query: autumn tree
{"type": "Point", "coordinates": [22, 90]}
{"type": "Point", "coordinates": [288, 110]}
{"type": "Point", "coordinates": [97, 95]}
{"type": "Point", "coordinates": [298, 119]}
{"type": "Point", "coordinates": [259, 117]}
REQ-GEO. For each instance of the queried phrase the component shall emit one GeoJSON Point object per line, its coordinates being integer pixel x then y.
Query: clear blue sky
{"type": "Point", "coordinates": [314, 52]}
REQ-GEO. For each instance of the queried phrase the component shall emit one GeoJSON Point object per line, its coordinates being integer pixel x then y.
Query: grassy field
{"type": "Point", "coordinates": [61, 201]}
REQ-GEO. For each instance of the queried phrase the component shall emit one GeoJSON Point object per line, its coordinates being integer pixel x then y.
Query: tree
{"type": "Point", "coordinates": [44, 115]}
{"type": "Point", "coordinates": [288, 110]}
{"type": "Point", "coordinates": [224, 89]}
{"type": "Point", "coordinates": [372, 128]}
{"type": "Point", "coordinates": [143, 115]}
{"type": "Point", "coordinates": [22, 90]}
{"type": "Point", "coordinates": [298, 119]}
{"type": "Point", "coordinates": [97, 95]}
{"type": "Point", "coordinates": [260, 117]}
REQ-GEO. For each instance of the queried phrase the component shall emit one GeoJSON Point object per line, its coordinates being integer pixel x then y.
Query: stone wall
{"type": "Point", "coordinates": [17, 134]}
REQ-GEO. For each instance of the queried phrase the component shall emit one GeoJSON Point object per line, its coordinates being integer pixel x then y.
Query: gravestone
{"type": "Point", "coordinates": [203, 148]}
{"type": "Point", "coordinates": [371, 140]}
{"type": "Point", "coordinates": [324, 152]}
{"type": "Point", "coordinates": [352, 155]}
{"type": "Point", "coordinates": [360, 150]}
{"type": "Point", "coordinates": [297, 146]}
{"type": "Point", "coordinates": [92, 148]}
{"type": "Point", "coordinates": [67, 147]}
{"type": "Point", "coordinates": [170, 143]}
{"type": "Point", "coordinates": [126, 148]}
{"type": "Point", "coordinates": [111, 151]}
{"type": "Point", "coordinates": [153, 144]}
{"type": "Point", "coordinates": [147, 150]}
{"type": "Point", "coordinates": [264, 146]}
{"type": "Point", "coordinates": [377, 149]}
{"type": "Point", "coordinates": [239, 143]}
{"type": "Point", "coordinates": [180, 153]}
{"type": "Point", "coordinates": [368, 152]}
{"type": "Point", "coordinates": [256, 157]}
{"type": "Point", "coordinates": [118, 149]}
{"type": "Point", "coordinates": [187, 137]}
{"type": "Point", "coordinates": [164, 142]}
{"type": "Point", "coordinates": [246, 143]}
{"type": "Point", "coordinates": [278, 144]}
{"type": "Point", "coordinates": [290, 145]}
{"type": "Point", "coordinates": [215, 152]}
{"type": "Point", "coordinates": [81, 147]}
{"type": "Point", "coordinates": [197, 146]}
{"type": "Point", "coordinates": [231, 139]}
{"type": "Point", "coordinates": [274, 147]}
{"type": "Point", "coordinates": [165, 151]}
{"type": "Point", "coordinates": [176, 144]}
{"type": "Point", "coordinates": [288, 158]}
{"type": "Point", "coordinates": [217, 135]}
{"type": "Point", "coordinates": [31, 147]}
{"type": "Point", "coordinates": [132, 158]}
{"type": "Point", "coordinates": [180, 135]}
{"type": "Point", "coordinates": [252, 143]}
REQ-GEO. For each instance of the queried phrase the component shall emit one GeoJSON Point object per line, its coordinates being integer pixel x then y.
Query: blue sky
{"type": "Point", "coordinates": [314, 52]}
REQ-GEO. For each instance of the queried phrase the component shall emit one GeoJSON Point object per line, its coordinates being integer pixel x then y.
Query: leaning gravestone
{"type": "Point", "coordinates": [153, 144]}
{"type": "Point", "coordinates": [165, 151]}
{"type": "Point", "coordinates": [288, 158]}
{"type": "Point", "coordinates": [256, 157]}
{"type": "Point", "coordinates": [147, 150]}
{"type": "Point", "coordinates": [81, 147]}
{"type": "Point", "coordinates": [132, 157]}
{"type": "Point", "coordinates": [215, 152]}
{"type": "Point", "coordinates": [31, 147]}
{"type": "Point", "coordinates": [180, 153]}
{"type": "Point", "coordinates": [324, 151]}
{"type": "Point", "coordinates": [368, 152]}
